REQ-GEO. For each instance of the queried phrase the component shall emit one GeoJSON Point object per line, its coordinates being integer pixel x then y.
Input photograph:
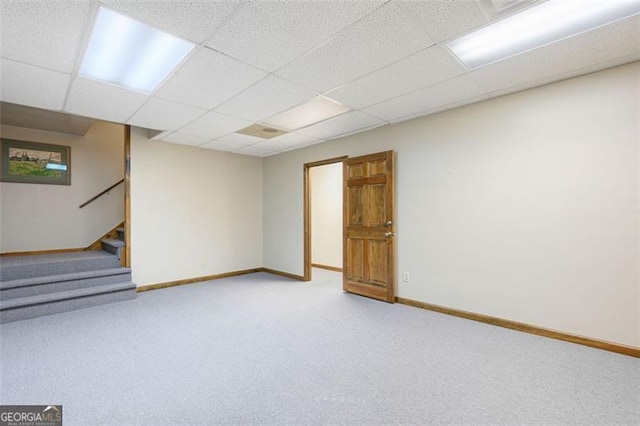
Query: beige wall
{"type": "Point", "coordinates": [523, 207]}
{"type": "Point", "coordinates": [44, 217]}
{"type": "Point", "coordinates": [326, 214]}
{"type": "Point", "coordinates": [194, 212]}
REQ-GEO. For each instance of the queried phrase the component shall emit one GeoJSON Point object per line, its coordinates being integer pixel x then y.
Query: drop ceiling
{"type": "Point", "coordinates": [42, 119]}
{"type": "Point", "coordinates": [386, 60]}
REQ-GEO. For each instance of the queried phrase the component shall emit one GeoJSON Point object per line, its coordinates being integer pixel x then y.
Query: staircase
{"type": "Point", "coordinates": [38, 285]}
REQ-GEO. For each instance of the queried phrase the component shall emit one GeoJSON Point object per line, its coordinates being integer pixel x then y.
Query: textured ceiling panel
{"type": "Point", "coordinates": [444, 19]}
{"type": "Point", "coordinates": [219, 145]}
{"type": "Point", "coordinates": [182, 139]}
{"type": "Point", "coordinates": [266, 98]}
{"type": "Point", "coordinates": [213, 125]}
{"type": "Point", "coordinates": [378, 57]}
{"type": "Point", "coordinates": [42, 119]}
{"type": "Point", "coordinates": [603, 44]}
{"type": "Point", "coordinates": [164, 115]}
{"type": "Point", "coordinates": [207, 79]}
{"type": "Point", "coordinates": [239, 139]}
{"type": "Point", "coordinates": [28, 85]}
{"type": "Point", "coordinates": [442, 107]}
{"type": "Point", "coordinates": [192, 20]}
{"type": "Point", "coordinates": [423, 69]}
{"type": "Point", "coordinates": [44, 33]}
{"type": "Point", "coordinates": [345, 123]}
{"type": "Point", "coordinates": [427, 98]}
{"type": "Point", "coordinates": [573, 73]}
{"type": "Point", "coordinates": [379, 39]}
{"type": "Point", "coordinates": [253, 151]}
{"type": "Point", "coordinates": [287, 142]}
{"type": "Point", "coordinates": [270, 34]}
{"type": "Point", "coordinates": [115, 104]}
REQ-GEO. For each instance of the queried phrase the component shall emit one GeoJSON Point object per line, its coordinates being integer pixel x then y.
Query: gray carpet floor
{"type": "Point", "coordinates": [260, 349]}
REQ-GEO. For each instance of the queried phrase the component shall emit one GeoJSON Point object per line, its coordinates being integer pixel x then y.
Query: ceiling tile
{"type": "Point", "coordinates": [213, 125]}
{"type": "Point", "coordinates": [444, 19]}
{"type": "Point", "coordinates": [42, 119]}
{"type": "Point", "coordinates": [573, 73]}
{"type": "Point", "coordinates": [44, 33]}
{"type": "Point", "coordinates": [342, 124]}
{"type": "Point", "coordinates": [440, 108]}
{"type": "Point", "coordinates": [287, 142]}
{"type": "Point", "coordinates": [607, 43]}
{"type": "Point", "coordinates": [265, 98]}
{"type": "Point", "coordinates": [164, 115]}
{"type": "Point", "coordinates": [253, 151]}
{"type": "Point", "coordinates": [28, 85]}
{"type": "Point", "coordinates": [423, 69]}
{"type": "Point", "coordinates": [94, 99]}
{"type": "Point", "coordinates": [207, 79]}
{"type": "Point", "coordinates": [291, 139]}
{"type": "Point", "coordinates": [379, 39]}
{"type": "Point", "coordinates": [450, 91]}
{"type": "Point", "coordinates": [239, 139]}
{"type": "Point", "coordinates": [192, 20]}
{"type": "Point", "coordinates": [221, 146]}
{"type": "Point", "coordinates": [183, 139]}
{"type": "Point", "coordinates": [270, 34]}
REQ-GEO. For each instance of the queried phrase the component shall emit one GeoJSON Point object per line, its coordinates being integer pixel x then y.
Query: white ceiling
{"type": "Point", "coordinates": [254, 59]}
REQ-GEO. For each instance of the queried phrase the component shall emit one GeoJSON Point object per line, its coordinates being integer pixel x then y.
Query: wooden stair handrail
{"type": "Point", "coordinates": [101, 194]}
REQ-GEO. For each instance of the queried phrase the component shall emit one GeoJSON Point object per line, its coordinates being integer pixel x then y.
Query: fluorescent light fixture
{"type": "Point", "coordinates": [538, 26]}
{"type": "Point", "coordinates": [317, 109]}
{"type": "Point", "coordinates": [129, 53]}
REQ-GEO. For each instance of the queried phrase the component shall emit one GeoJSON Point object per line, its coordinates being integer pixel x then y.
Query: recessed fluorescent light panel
{"type": "Point", "coordinates": [131, 54]}
{"type": "Point", "coordinates": [317, 109]}
{"type": "Point", "coordinates": [538, 26]}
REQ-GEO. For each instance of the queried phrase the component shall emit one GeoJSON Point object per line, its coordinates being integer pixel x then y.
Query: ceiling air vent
{"type": "Point", "coordinates": [261, 131]}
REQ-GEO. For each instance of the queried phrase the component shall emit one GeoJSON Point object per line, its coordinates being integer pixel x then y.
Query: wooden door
{"type": "Point", "coordinates": [369, 264]}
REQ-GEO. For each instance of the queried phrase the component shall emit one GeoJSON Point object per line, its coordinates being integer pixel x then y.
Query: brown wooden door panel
{"type": "Point", "coordinates": [376, 205]}
{"type": "Point", "coordinates": [356, 171]}
{"type": "Point", "coordinates": [368, 226]}
{"type": "Point", "coordinates": [356, 253]}
{"type": "Point", "coordinates": [378, 258]}
{"type": "Point", "coordinates": [356, 213]}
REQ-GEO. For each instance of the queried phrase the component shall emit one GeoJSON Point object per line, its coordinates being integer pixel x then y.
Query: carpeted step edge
{"type": "Point", "coordinates": [113, 246]}
{"type": "Point", "coordinates": [66, 305]}
{"type": "Point", "coordinates": [51, 279]}
{"type": "Point", "coordinates": [42, 299]}
{"type": "Point", "coordinates": [102, 260]}
{"type": "Point", "coordinates": [113, 242]}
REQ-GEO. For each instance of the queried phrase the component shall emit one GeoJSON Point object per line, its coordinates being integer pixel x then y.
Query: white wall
{"type": "Point", "coordinates": [326, 214]}
{"type": "Point", "coordinates": [523, 207]}
{"type": "Point", "coordinates": [194, 212]}
{"type": "Point", "coordinates": [45, 217]}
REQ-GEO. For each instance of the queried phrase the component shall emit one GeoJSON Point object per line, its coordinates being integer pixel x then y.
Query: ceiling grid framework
{"type": "Point", "coordinates": [385, 60]}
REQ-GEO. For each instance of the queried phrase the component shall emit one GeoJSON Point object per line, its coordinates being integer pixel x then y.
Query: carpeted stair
{"type": "Point", "coordinates": [114, 246]}
{"type": "Point", "coordinates": [38, 285]}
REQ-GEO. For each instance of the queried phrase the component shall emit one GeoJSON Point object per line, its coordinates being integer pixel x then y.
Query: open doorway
{"type": "Point", "coordinates": [367, 192]}
{"type": "Point", "coordinates": [323, 216]}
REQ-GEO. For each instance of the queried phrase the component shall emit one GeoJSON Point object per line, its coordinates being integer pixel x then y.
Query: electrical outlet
{"type": "Point", "coordinates": [405, 277]}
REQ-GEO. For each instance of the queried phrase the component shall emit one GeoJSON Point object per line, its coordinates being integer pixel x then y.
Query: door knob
{"type": "Point", "coordinates": [389, 234]}
{"type": "Point", "coordinates": [389, 223]}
